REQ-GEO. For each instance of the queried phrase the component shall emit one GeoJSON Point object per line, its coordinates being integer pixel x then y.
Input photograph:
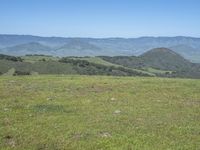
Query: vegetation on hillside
{"type": "Point", "coordinates": [89, 68]}
{"type": "Point", "coordinates": [160, 62]}
{"type": "Point", "coordinates": [12, 58]}
{"type": "Point", "coordinates": [166, 62]}
{"type": "Point", "coordinates": [21, 45]}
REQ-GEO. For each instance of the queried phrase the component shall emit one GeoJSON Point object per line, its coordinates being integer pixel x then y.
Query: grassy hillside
{"type": "Point", "coordinates": [89, 113]}
{"type": "Point", "coordinates": [165, 59]}
{"type": "Point", "coordinates": [36, 58]}
{"type": "Point", "coordinates": [101, 61]}
{"type": "Point", "coordinates": [96, 60]}
{"type": "Point", "coordinates": [11, 58]}
{"type": "Point", "coordinates": [188, 52]}
{"type": "Point", "coordinates": [51, 65]}
{"type": "Point", "coordinates": [159, 58]}
{"type": "Point", "coordinates": [47, 67]}
{"type": "Point", "coordinates": [89, 68]}
{"type": "Point", "coordinates": [160, 62]}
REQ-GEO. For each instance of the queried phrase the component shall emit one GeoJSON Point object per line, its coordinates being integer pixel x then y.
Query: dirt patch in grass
{"type": "Point", "coordinates": [10, 141]}
{"type": "Point", "coordinates": [192, 102]}
{"type": "Point", "coordinates": [50, 108]}
{"type": "Point", "coordinates": [105, 134]}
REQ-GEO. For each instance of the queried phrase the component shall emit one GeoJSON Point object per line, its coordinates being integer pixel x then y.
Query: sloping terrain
{"type": "Point", "coordinates": [162, 59]}
{"type": "Point", "coordinates": [190, 53]}
{"type": "Point", "coordinates": [78, 47]}
{"type": "Point", "coordinates": [188, 47]}
{"type": "Point", "coordinates": [48, 65]}
{"type": "Point", "coordinates": [156, 62]}
{"type": "Point", "coordinates": [29, 48]}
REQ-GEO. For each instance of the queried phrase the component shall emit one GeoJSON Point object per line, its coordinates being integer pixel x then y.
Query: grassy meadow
{"type": "Point", "coordinates": [60, 112]}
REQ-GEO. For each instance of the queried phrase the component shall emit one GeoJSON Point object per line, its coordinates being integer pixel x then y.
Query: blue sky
{"type": "Point", "coordinates": [100, 18]}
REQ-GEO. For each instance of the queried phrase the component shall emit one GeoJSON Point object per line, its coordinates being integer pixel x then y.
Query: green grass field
{"type": "Point", "coordinates": [99, 113]}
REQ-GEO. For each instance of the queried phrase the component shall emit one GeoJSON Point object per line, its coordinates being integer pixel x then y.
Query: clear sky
{"type": "Point", "coordinates": [100, 18]}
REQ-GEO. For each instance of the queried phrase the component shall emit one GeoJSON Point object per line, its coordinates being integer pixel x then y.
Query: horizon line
{"type": "Point", "coordinates": [110, 37]}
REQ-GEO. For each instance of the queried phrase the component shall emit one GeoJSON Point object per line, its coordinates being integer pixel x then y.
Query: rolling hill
{"type": "Point", "coordinates": [161, 62]}
{"type": "Point", "coordinates": [29, 48]}
{"type": "Point", "coordinates": [77, 47]}
{"type": "Point", "coordinates": [188, 47]}
{"type": "Point", "coordinates": [192, 54]}
{"type": "Point", "coordinates": [159, 59]}
{"type": "Point", "coordinates": [164, 59]}
{"type": "Point", "coordinates": [31, 65]}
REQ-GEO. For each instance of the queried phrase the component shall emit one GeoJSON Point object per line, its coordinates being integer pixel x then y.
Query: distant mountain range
{"type": "Point", "coordinates": [19, 45]}
{"type": "Point", "coordinates": [161, 62]}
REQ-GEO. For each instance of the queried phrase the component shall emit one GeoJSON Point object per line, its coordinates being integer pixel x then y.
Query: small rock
{"type": "Point", "coordinates": [105, 134]}
{"type": "Point", "coordinates": [77, 136]}
{"type": "Point", "coordinates": [49, 98]}
{"type": "Point", "coordinates": [5, 109]}
{"type": "Point", "coordinates": [117, 111]}
{"type": "Point", "coordinates": [112, 99]}
{"type": "Point", "coordinates": [11, 143]}
{"type": "Point", "coordinates": [12, 81]}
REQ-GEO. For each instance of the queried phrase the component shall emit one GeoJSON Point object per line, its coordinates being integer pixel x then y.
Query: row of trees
{"type": "Point", "coordinates": [12, 58]}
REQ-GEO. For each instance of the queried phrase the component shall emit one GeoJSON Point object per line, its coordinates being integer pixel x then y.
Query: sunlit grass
{"type": "Point", "coordinates": [96, 112]}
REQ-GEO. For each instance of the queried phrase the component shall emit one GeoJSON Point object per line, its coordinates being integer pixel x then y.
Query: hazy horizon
{"type": "Point", "coordinates": [54, 36]}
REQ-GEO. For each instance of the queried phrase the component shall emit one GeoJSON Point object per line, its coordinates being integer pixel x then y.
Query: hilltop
{"type": "Point", "coordinates": [164, 59]}
{"type": "Point", "coordinates": [159, 61]}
